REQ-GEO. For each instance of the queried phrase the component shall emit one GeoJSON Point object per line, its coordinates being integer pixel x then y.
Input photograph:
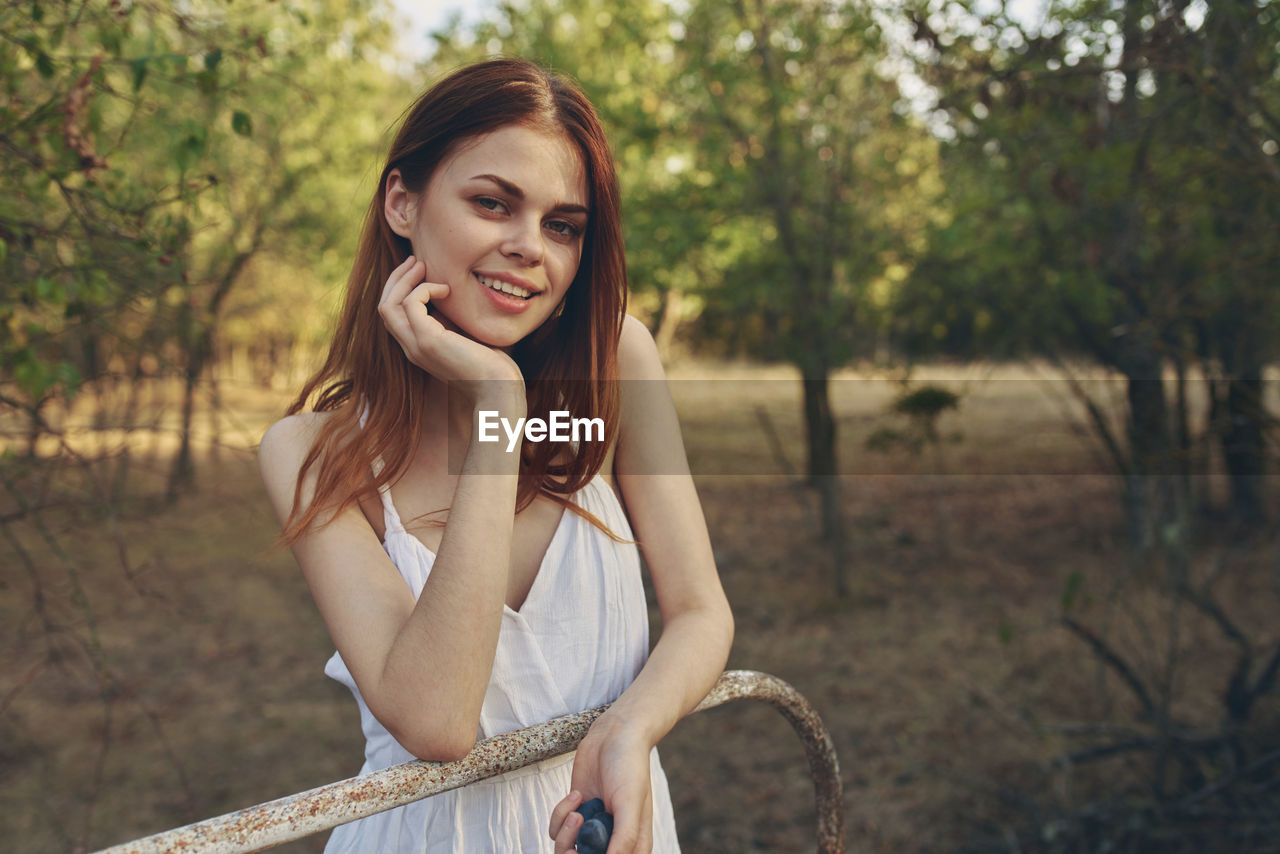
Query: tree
{"type": "Point", "coordinates": [795, 120]}
{"type": "Point", "coordinates": [156, 153]}
{"type": "Point", "coordinates": [1088, 181]}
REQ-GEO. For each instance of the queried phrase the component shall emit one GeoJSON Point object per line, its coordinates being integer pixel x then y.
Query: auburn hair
{"type": "Point", "coordinates": [376, 395]}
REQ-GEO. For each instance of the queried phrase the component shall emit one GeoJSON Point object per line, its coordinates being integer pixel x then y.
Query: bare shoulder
{"type": "Point", "coordinates": [280, 454]}
{"type": "Point", "coordinates": [637, 353]}
{"type": "Point", "coordinates": [290, 437]}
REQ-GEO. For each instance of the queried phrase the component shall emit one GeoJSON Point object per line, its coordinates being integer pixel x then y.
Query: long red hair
{"type": "Point", "coordinates": [569, 363]}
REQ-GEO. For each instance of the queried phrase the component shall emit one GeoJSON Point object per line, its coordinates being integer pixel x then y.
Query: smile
{"type": "Point", "coordinates": [504, 287]}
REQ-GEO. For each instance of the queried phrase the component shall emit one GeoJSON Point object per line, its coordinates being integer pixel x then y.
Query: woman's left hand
{"type": "Point", "coordinates": [612, 764]}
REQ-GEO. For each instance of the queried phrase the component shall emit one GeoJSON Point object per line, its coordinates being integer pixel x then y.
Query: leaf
{"type": "Point", "coordinates": [110, 38]}
{"type": "Point", "coordinates": [65, 372]}
{"type": "Point", "coordinates": [241, 123]}
{"type": "Point", "coordinates": [1004, 632]}
{"type": "Point", "coordinates": [207, 82]}
{"type": "Point", "coordinates": [44, 65]}
{"type": "Point", "coordinates": [212, 58]}
{"type": "Point", "coordinates": [139, 67]}
{"type": "Point", "coordinates": [190, 146]}
{"type": "Point", "coordinates": [30, 373]}
{"type": "Point", "coordinates": [1071, 590]}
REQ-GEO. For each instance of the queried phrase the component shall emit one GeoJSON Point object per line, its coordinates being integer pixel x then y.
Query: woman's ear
{"type": "Point", "coordinates": [398, 205]}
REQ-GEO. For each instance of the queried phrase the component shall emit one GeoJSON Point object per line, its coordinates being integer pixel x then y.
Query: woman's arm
{"type": "Point", "coordinates": [422, 667]}
{"type": "Point", "coordinates": [652, 471]}
{"type": "Point", "coordinates": [697, 626]}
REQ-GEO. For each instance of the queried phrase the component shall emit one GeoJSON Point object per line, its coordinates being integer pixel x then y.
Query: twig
{"type": "Point", "coordinates": [1104, 750]}
{"type": "Point", "coordinates": [23, 682]}
{"type": "Point", "coordinates": [1205, 602]}
{"type": "Point", "coordinates": [1228, 780]}
{"type": "Point", "coordinates": [1267, 679]}
{"type": "Point", "coordinates": [775, 441]}
{"type": "Point", "coordinates": [99, 765]}
{"type": "Point", "coordinates": [1111, 658]}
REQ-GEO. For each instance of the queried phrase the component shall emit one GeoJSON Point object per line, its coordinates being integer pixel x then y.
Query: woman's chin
{"type": "Point", "coordinates": [501, 339]}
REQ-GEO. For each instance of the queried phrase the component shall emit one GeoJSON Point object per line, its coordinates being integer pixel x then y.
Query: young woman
{"type": "Point", "coordinates": [471, 590]}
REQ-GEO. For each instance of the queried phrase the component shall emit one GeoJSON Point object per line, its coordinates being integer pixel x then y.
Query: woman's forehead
{"type": "Point", "coordinates": [540, 163]}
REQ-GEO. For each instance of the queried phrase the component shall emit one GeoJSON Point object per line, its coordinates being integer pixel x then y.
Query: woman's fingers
{"type": "Point", "coordinates": [396, 281]}
{"type": "Point", "coordinates": [428, 344]}
{"type": "Point", "coordinates": [397, 285]}
{"type": "Point", "coordinates": [632, 821]}
{"type": "Point", "coordinates": [566, 822]}
{"type": "Point", "coordinates": [402, 307]}
{"type": "Point", "coordinates": [562, 811]}
{"type": "Point", "coordinates": [632, 832]}
{"type": "Point", "coordinates": [415, 302]}
{"type": "Point", "coordinates": [568, 835]}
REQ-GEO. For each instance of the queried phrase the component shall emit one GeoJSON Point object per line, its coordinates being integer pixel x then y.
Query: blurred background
{"type": "Point", "coordinates": [970, 311]}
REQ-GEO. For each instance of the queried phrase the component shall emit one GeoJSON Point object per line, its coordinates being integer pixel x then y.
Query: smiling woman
{"type": "Point", "coordinates": [507, 254]}
{"type": "Point", "coordinates": [476, 587]}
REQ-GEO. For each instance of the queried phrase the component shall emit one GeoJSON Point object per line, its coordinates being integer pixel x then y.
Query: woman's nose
{"type": "Point", "coordinates": [524, 241]}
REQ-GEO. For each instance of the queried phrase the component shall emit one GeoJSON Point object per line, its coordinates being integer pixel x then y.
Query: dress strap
{"type": "Point", "coordinates": [390, 518]}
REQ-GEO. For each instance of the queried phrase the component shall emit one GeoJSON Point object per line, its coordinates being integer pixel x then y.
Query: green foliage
{"type": "Point", "coordinates": [759, 155]}
{"type": "Point", "coordinates": [1108, 178]}
{"type": "Point", "coordinates": [921, 409]}
{"type": "Point", "coordinates": [153, 153]}
{"type": "Point", "coordinates": [926, 403]}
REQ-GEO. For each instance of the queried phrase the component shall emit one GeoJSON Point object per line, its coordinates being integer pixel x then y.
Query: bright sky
{"type": "Point", "coordinates": [425, 16]}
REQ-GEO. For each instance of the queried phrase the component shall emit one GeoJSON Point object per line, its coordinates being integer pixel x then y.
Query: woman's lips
{"type": "Point", "coordinates": [504, 302]}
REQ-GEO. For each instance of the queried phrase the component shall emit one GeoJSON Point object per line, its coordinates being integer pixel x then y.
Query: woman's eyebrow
{"type": "Point", "coordinates": [512, 190]}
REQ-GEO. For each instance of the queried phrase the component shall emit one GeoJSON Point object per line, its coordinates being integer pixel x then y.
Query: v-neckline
{"type": "Point", "coordinates": [542, 565]}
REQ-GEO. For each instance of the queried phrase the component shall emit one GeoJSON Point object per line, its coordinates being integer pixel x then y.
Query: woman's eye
{"type": "Point", "coordinates": [562, 228]}
{"type": "Point", "coordinates": [489, 204]}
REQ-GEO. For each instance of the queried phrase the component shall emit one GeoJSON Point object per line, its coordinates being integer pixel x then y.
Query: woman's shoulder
{"type": "Point", "coordinates": [293, 433]}
{"type": "Point", "coordinates": [638, 357]}
{"type": "Point", "coordinates": [284, 448]}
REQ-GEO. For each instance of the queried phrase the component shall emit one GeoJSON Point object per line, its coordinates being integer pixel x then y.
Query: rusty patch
{"type": "Point", "coordinates": [296, 816]}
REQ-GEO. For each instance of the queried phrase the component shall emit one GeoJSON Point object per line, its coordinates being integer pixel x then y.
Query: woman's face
{"type": "Point", "coordinates": [501, 222]}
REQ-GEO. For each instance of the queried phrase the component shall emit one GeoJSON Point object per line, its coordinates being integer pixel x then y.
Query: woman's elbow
{"type": "Point", "coordinates": [431, 738]}
{"type": "Point", "coordinates": [726, 627]}
{"type": "Point", "coordinates": [439, 747]}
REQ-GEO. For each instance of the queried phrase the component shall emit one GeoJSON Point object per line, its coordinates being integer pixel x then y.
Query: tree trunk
{"type": "Point", "coordinates": [823, 470]}
{"type": "Point", "coordinates": [1148, 482]}
{"type": "Point", "coordinates": [182, 472]}
{"type": "Point", "coordinates": [35, 427]}
{"type": "Point", "coordinates": [1244, 431]}
{"type": "Point", "coordinates": [819, 423]}
{"type": "Point", "coordinates": [668, 321]}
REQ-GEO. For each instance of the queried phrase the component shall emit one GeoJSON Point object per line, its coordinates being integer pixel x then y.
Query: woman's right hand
{"type": "Point", "coordinates": [467, 365]}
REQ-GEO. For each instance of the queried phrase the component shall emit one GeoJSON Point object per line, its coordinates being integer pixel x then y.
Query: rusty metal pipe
{"type": "Point", "coordinates": [296, 816]}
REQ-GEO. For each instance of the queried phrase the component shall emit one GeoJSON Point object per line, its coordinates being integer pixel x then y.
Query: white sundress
{"type": "Point", "coordinates": [577, 642]}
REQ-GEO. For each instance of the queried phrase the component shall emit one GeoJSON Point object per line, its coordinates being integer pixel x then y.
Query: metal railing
{"type": "Point", "coordinates": [293, 817]}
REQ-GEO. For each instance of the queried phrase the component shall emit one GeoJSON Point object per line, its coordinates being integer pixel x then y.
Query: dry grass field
{"type": "Point", "coordinates": [162, 664]}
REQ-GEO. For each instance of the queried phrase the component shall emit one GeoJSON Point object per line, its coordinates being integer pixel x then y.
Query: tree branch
{"type": "Point", "coordinates": [1111, 658]}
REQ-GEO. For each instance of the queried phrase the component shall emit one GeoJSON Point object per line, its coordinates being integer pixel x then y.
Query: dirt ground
{"type": "Point", "coordinates": [164, 665]}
